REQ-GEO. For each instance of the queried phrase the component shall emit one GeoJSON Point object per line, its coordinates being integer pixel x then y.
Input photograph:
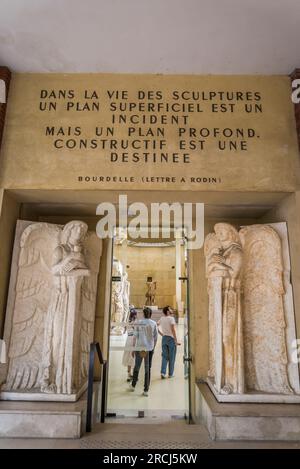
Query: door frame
{"type": "Point", "coordinates": [189, 409]}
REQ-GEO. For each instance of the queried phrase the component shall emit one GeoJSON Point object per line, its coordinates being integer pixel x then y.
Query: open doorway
{"type": "Point", "coordinates": [63, 206]}
{"type": "Point", "coordinates": [148, 273]}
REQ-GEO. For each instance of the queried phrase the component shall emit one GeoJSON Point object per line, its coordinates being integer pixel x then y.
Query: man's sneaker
{"type": "Point", "coordinates": [131, 388]}
{"type": "Point", "coordinates": [171, 376]}
{"type": "Point", "coordinates": [163, 376]}
{"type": "Point", "coordinates": [145, 393]}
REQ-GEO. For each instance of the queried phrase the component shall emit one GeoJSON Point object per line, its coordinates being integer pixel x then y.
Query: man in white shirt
{"type": "Point", "coordinates": [167, 329]}
{"type": "Point", "coordinates": [145, 331]}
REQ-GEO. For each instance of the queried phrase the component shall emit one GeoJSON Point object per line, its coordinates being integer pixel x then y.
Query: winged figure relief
{"type": "Point", "coordinates": [53, 317]}
{"type": "Point", "coordinates": [247, 315]}
{"type": "Point", "coordinates": [32, 297]}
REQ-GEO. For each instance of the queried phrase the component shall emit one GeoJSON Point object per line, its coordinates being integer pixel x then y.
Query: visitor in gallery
{"type": "Point", "coordinates": [145, 332]}
{"type": "Point", "coordinates": [128, 355]}
{"type": "Point", "coordinates": [166, 328]}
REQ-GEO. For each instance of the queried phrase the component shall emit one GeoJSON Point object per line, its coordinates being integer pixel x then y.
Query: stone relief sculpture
{"type": "Point", "coordinates": [117, 299]}
{"type": "Point", "coordinates": [247, 326]}
{"type": "Point", "coordinates": [264, 317]}
{"type": "Point", "coordinates": [151, 293]}
{"type": "Point", "coordinates": [51, 321]}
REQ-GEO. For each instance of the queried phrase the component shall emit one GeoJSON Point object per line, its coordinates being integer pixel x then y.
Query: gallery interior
{"type": "Point", "coordinates": [72, 297]}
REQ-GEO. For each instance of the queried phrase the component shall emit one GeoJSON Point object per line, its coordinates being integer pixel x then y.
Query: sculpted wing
{"type": "Point", "coordinates": [263, 312]}
{"type": "Point", "coordinates": [32, 296]}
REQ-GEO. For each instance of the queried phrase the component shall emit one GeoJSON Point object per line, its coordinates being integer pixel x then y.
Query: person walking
{"type": "Point", "coordinates": [167, 329]}
{"type": "Point", "coordinates": [145, 342]}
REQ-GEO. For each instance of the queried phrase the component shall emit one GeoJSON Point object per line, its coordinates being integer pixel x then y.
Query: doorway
{"type": "Point", "coordinates": [152, 273]}
{"type": "Point", "coordinates": [62, 206]}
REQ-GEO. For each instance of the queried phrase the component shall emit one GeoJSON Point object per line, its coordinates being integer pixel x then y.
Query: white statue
{"type": "Point", "coordinates": [126, 296]}
{"type": "Point", "coordinates": [54, 308]}
{"type": "Point", "coordinates": [224, 261]}
{"type": "Point", "coordinates": [248, 349]}
{"type": "Point", "coordinates": [117, 300]}
{"type": "Point", "coordinates": [63, 321]}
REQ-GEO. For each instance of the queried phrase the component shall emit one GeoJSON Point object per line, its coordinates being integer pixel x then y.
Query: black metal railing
{"type": "Point", "coordinates": [95, 347]}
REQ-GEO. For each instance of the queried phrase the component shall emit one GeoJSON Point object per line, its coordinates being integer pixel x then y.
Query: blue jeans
{"type": "Point", "coordinates": [168, 354]}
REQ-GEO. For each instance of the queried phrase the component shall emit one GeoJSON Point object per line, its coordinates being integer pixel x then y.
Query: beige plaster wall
{"type": "Point", "coordinates": [155, 262]}
{"type": "Point", "coordinates": [29, 158]}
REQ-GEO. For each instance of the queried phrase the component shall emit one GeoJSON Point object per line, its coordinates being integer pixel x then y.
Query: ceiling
{"type": "Point", "coordinates": [151, 36]}
{"type": "Point", "coordinates": [70, 203]}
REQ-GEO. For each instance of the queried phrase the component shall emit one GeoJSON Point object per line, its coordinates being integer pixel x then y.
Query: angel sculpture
{"type": "Point", "coordinates": [247, 319]}
{"type": "Point", "coordinates": [223, 268]}
{"type": "Point", "coordinates": [53, 314]}
{"type": "Point", "coordinates": [61, 349]}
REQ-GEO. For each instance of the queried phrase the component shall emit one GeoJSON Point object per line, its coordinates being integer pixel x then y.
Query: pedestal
{"type": "Point", "coordinates": [36, 395]}
{"type": "Point", "coordinates": [45, 419]}
{"type": "Point", "coordinates": [245, 421]}
{"type": "Point", "coordinates": [254, 397]}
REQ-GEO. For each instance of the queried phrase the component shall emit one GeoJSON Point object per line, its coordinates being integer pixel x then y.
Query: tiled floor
{"type": "Point", "coordinates": [165, 396]}
{"type": "Point", "coordinates": [168, 435]}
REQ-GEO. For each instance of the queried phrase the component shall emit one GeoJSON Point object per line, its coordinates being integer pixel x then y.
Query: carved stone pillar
{"type": "Point", "coordinates": [5, 76]}
{"type": "Point", "coordinates": [295, 75]}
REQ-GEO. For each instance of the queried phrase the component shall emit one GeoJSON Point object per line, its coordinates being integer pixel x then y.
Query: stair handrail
{"type": "Point", "coordinates": [95, 348]}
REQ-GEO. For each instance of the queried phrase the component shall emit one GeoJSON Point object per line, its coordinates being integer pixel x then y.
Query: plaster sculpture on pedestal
{"type": "Point", "coordinates": [51, 311]}
{"type": "Point", "coordinates": [249, 307]}
{"type": "Point", "coordinates": [224, 262]}
{"type": "Point", "coordinates": [117, 300]}
{"type": "Point", "coordinates": [126, 296]}
{"type": "Point", "coordinates": [151, 293]}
